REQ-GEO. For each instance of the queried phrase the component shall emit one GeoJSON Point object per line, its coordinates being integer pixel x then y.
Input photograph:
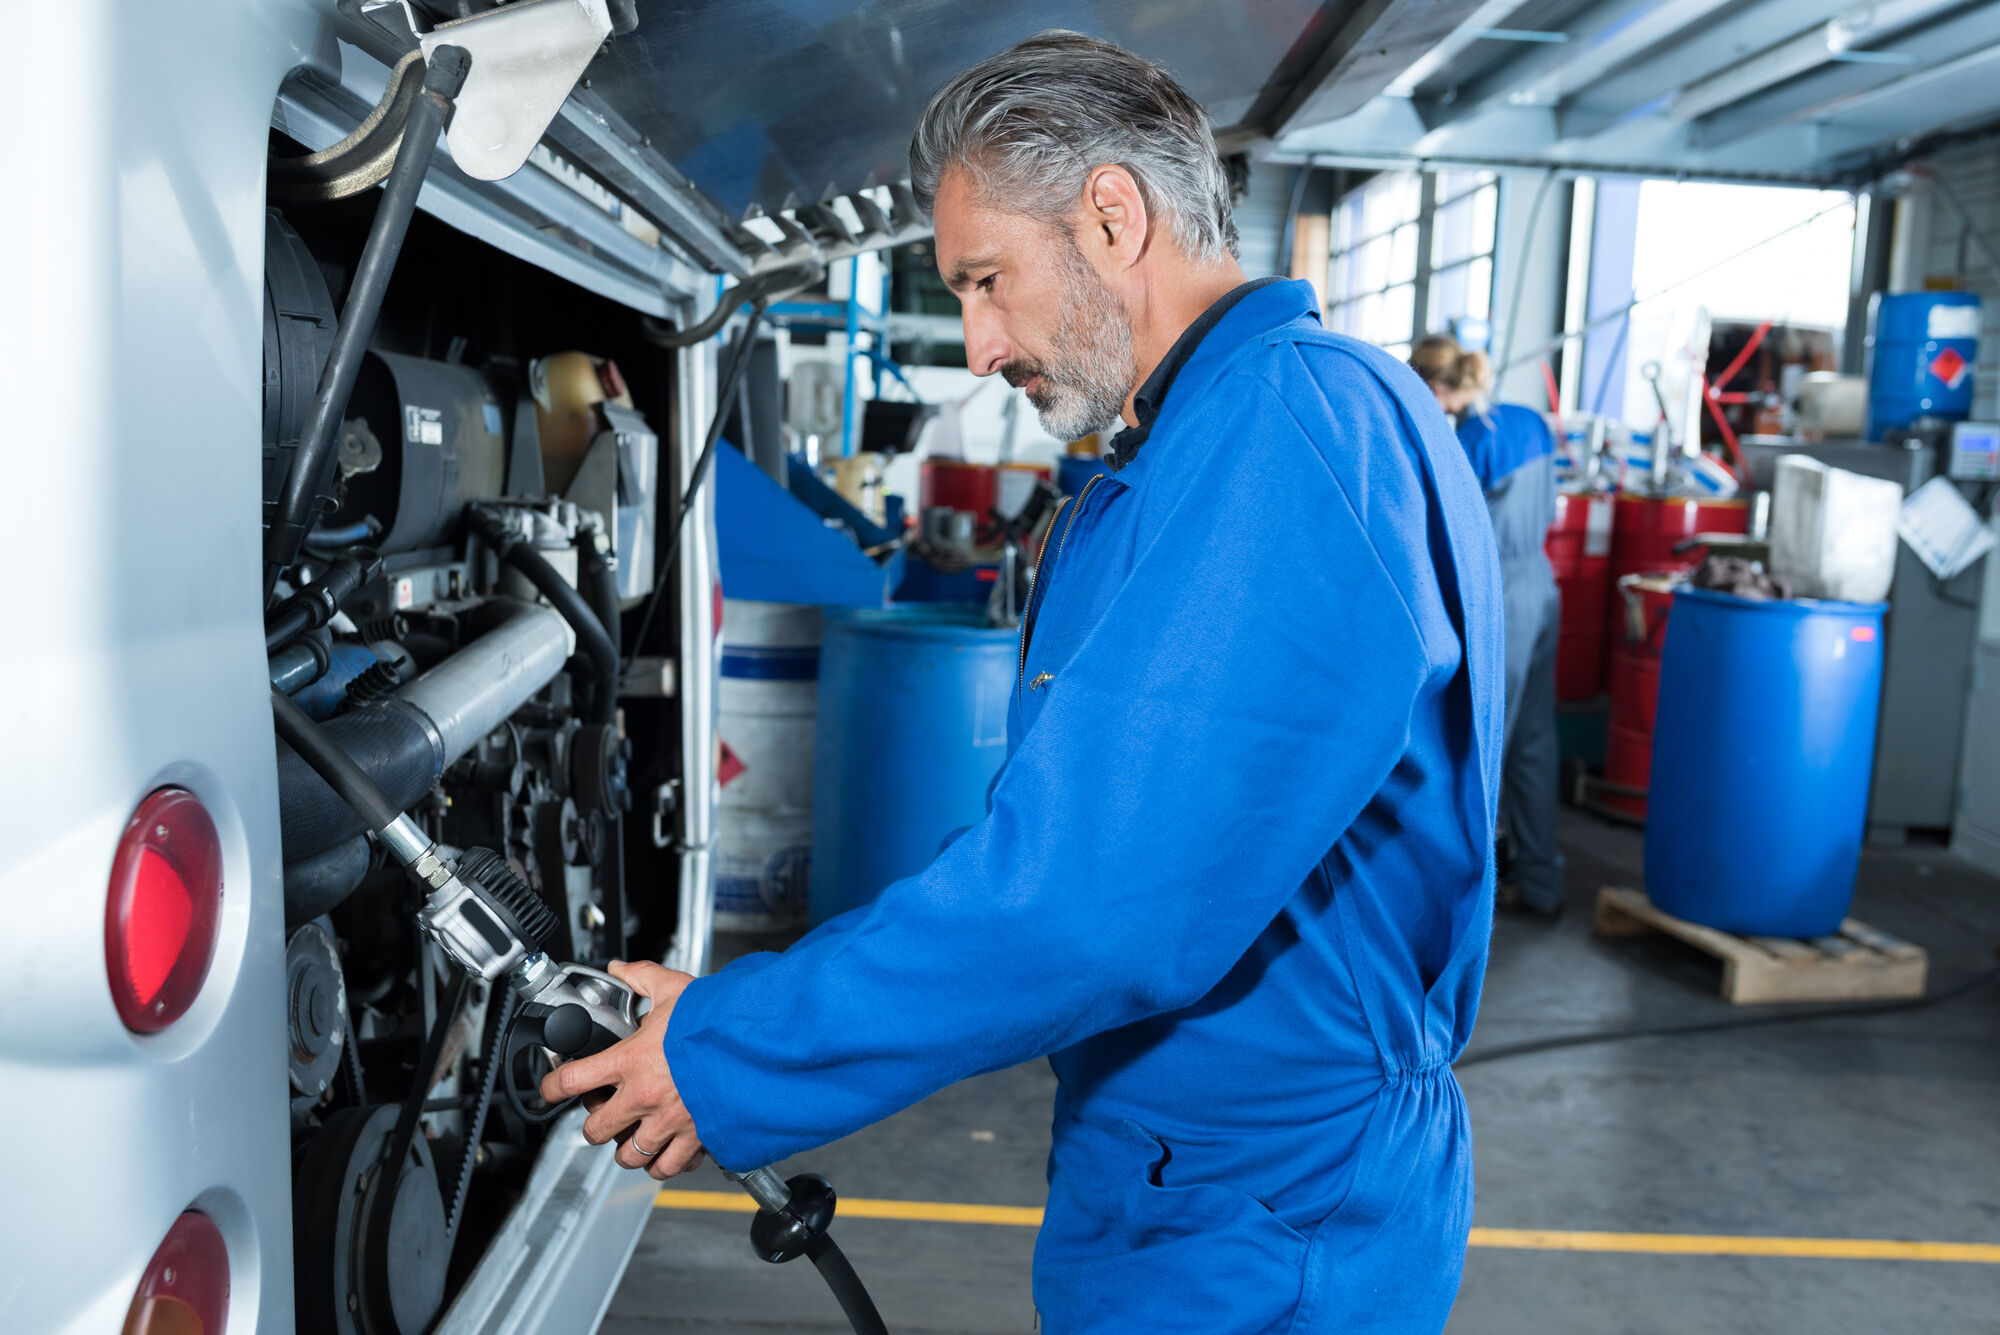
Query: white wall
{"type": "Point", "coordinates": [1530, 256]}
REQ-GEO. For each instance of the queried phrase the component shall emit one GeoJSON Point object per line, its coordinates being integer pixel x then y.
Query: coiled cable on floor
{"type": "Point", "coordinates": [1591, 1037]}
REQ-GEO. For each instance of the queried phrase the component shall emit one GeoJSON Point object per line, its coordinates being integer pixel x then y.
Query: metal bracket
{"type": "Point", "coordinates": [526, 59]}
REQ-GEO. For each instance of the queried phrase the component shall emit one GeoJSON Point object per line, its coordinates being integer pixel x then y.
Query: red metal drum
{"type": "Point", "coordinates": [1643, 533]}
{"type": "Point", "coordinates": [1639, 635]}
{"type": "Point", "coordinates": [965, 486]}
{"type": "Point", "coordinates": [1579, 551]}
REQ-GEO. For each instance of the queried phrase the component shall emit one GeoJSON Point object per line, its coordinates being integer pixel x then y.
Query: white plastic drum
{"type": "Point", "coordinates": [769, 700]}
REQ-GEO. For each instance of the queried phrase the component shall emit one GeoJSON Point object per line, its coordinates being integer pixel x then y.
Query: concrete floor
{"type": "Point", "coordinates": [1884, 1127]}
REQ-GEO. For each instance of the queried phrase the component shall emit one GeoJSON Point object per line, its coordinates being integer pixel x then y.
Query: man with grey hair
{"type": "Point", "coordinates": [1235, 879]}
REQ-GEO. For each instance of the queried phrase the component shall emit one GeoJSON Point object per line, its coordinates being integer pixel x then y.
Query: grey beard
{"type": "Point", "coordinates": [1091, 371]}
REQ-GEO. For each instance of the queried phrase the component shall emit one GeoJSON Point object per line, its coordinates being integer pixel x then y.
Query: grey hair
{"type": "Point", "coordinates": [1033, 122]}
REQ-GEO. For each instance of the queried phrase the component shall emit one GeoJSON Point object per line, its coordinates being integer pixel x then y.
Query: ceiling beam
{"type": "Point", "coordinates": [1858, 27]}
{"type": "Point", "coordinates": [1642, 87]}
{"type": "Point", "coordinates": [1491, 14]}
{"type": "Point", "coordinates": [1814, 96]}
{"type": "Point", "coordinates": [1601, 39]}
{"type": "Point", "coordinates": [1359, 50]}
{"type": "Point", "coordinates": [1958, 93]}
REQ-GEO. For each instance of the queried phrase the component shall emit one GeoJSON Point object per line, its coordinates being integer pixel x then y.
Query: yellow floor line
{"type": "Point", "coordinates": [923, 1212]}
{"type": "Point", "coordinates": [1516, 1239]}
{"type": "Point", "coordinates": [1704, 1244]}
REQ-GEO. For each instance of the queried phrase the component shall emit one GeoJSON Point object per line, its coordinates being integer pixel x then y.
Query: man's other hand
{"type": "Point", "coordinates": [642, 1110]}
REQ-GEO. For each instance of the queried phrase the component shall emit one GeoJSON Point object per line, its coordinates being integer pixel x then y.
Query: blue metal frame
{"type": "Point", "coordinates": [774, 547]}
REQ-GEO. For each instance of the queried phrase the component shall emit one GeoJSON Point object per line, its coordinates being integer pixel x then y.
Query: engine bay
{"type": "Point", "coordinates": [497, 486]}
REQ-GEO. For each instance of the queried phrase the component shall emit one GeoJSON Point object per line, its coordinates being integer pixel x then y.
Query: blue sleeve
{"type": "Point", "coordinates": [1244, 696]}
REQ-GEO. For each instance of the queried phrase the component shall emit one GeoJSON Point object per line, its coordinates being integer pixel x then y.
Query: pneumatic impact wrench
{"type": "Point", "coordinates": [491, 924]}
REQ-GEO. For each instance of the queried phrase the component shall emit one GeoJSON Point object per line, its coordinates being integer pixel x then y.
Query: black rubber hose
{"type": "Point", "coordinates": [739, 360]}
{"type": "Point", "coordinates": [847, 1287]}
{"type": "Point", "coordinates": [593, 641]}
{"type": "Point", "coordinates": [600, 586]}
{"type": "Point", "coordinates": [306, 480]}
{"type": "Point", "coordinates": [317, 603]}
{"type": "Point", "coordinates": [392, 742]}
{"type": "Point", "coordinates": [332, 764]}
{"type": "Point", "coordinates": [285, 625]}
{"type": "Point", "coordinates": [302, 662]}
{"type": "Point", "coordinates": [321, 883]}
{"type": "Point", "coordinates": [1836, 1011]}
{"type": "Point", "coordinates": [600, 580]}
{"type": "Point", "coordinates": [760, 291]}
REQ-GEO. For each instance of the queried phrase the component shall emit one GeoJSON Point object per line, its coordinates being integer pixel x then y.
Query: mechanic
{"type": "Point", "coordinates": [1512, 451]}
{"type": "Point", "coordinates": [1235, 879]}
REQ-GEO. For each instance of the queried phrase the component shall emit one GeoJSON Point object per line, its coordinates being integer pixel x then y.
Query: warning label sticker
{"type": "Point", "coordinates": [1597, 527]}
{"type": "Point", "coordinates": [423, 426]}
{"type": "Point", "coordinates": [1951, 367]}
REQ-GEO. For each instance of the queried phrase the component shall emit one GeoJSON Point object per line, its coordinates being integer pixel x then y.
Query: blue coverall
{"type": "Point", "coordinates": [1513, 453]}
{"type": "Point", "coordinates": [1235, 879]}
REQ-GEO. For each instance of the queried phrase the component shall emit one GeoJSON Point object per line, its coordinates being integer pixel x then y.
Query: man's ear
{"type": "Point", "coordinates": [1114, 224]}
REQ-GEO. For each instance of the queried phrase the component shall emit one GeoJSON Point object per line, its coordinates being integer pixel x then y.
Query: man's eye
{"type": "Point", "coordinates": [986, 284]}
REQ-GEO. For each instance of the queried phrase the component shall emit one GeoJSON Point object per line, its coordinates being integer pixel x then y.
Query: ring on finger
{"type": "Point", "coordinates": [643, 1154]}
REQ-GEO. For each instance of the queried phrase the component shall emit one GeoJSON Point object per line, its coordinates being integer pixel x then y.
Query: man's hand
{"type": "Point", "coordinates": [643, 1111]}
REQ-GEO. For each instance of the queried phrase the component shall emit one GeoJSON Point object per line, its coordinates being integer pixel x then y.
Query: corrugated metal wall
{"type": "Point", "coordinates": [1260, 219]}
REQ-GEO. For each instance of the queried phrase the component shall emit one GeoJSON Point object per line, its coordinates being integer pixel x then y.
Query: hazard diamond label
{"type": "Point", "coordinates": [1951, 367]}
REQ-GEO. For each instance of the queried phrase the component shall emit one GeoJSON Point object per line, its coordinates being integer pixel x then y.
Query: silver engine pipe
{"type": "Point", "coordinates": [405, 742]}
{"type": "Point", "coordinates": [478, 688]}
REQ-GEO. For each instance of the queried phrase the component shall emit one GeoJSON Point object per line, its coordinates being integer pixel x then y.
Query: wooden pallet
{"type": "Point", "coordinates": [1860, 964]}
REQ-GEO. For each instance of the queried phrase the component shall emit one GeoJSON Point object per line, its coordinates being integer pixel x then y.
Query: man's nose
{"type": "Point", "coordinates": [986, 346]}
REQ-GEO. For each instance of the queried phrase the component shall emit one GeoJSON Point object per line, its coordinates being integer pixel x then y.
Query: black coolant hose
{"type": "Point", "coordinates": [321, 883]}
{"type": "Point", "coordinates": [318, 602]}
{"type": "Point", "coordinates": [302, 662]}
{"type": "Point", "coordinates": [597, 571]}
{"type": "Point", "coordinates": [338, 769]}
{"type": "Point", "coordinates": [599, 577]}
{"type": "Point", "coordinates": [392, 743]}
{"type": "Point", "coordinates": [306, 479]}
{"type": "Point", "coordinates": [848, 1290]}
{"type": "Point", "coordinates": [593, 640]}
{"type": "Point", "coordinates": [732, 376]}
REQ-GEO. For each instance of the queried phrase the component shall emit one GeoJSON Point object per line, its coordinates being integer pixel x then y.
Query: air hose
{"type": "Point", "coordinates": [486, 920]}
{"type": "Point", "coordinates": [1591, 1037]}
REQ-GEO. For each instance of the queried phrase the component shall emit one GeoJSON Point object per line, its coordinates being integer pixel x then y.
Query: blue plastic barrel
{"type": "Point", "coordinates": [912, 729]}
{"type": "Point", "coordinates": [1763, 747]}
{"type": "Point", "coordinates": [1924, 347]}
{"type": "Point", "coordinates": [1074, 471]}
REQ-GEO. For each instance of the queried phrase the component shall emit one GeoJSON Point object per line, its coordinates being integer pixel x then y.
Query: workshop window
{"type": "Point", "coordinates": [1413, 251]}
{"type": "Point", "coordinates": [1463, 227]}
{"type": "Point", "coordinates": [1372, 281]}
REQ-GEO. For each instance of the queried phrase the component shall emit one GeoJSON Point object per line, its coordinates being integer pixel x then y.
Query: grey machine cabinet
{"type": "Point", "coordinates": [1931, 629]}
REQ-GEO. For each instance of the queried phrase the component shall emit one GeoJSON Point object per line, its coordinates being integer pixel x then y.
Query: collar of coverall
{"type": "Point", "coordinates": [1146, 403]}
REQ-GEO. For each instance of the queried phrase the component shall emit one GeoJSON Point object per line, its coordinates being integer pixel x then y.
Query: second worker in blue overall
{"type": "Point", "coordinates": [1512, 451]}
{"type": "Point", "coordinates": [1235, 880]}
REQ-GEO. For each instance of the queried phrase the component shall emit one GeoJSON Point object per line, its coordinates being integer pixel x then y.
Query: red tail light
{"type": "Point", "coordinates": [161, 920]}
{"type": "Point", "coordinates": [185, 1290]}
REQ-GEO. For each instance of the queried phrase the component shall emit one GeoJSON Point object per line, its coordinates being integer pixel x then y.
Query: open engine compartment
{"type": "Point", "coordinates": [496, 407]}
